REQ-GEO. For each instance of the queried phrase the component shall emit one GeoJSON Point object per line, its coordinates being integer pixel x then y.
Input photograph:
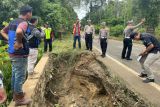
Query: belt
{"type": "Point", "coordinates": [34, 48]}
{"type": "Point", "coordinates": [89, 33]}
{"type": "Point", "coordinates": [127, 37]}
{"type": "Point", "coordinates": [103, 37]}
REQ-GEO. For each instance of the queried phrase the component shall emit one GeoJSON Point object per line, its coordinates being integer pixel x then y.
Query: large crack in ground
{"type": "Point", "coordinates": [79, 80]}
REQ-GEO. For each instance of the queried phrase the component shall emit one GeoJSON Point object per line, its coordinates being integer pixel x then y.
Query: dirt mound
{"type": "Point", "coordinates": [79, 80]}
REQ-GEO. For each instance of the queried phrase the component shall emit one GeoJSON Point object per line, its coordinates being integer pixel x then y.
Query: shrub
{"type": "Point", "coordinates": [157, 33]}
{"type": "Point", "coordinates": [5, 66]}
{"type": "Point", "coordinates": [97, 28]}
{"type": "Point", "coordinates": [117, 30]}
{"type": "Point", "coordinates": [114, 21]}
{"type": "Point", "coordinates": [142, 30]}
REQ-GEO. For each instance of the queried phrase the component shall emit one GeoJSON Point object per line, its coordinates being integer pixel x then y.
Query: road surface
{"type": "Point", "coordinates": [115, 49]}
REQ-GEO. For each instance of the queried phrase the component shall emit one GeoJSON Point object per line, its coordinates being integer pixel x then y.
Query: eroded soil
{"type": "Point", "coordinates": [79, 80]}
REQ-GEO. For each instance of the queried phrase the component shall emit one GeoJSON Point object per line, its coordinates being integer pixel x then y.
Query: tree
{"type": "Point", "coordinates": [56, 12]}
{"type": "Point", "coordinates": [150, 10]}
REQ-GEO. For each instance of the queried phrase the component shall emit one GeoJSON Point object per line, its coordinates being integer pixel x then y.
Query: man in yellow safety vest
{"type": "Point", "coordinates": [48, 38]}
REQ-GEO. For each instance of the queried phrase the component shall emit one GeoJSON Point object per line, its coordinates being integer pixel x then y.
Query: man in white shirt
{"type": "Point", "coordinates": [89, 32]}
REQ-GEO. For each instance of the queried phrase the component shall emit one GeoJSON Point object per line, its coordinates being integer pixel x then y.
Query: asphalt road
{"type": "Point", "coordinates": [114, 50]}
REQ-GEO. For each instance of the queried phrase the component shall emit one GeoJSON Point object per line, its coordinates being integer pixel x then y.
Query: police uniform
{"type": "Point", "coordinates": [89, 32]}
{"type": "Point", "coordinates": [127, 44]}
{"type": "Point", "coordinates": [153, 55]}
{"type": "Point", "coordinates": [104, 33]}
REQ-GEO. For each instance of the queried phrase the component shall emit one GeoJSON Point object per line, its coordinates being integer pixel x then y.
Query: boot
{"type": "Point", "coordinates": [14, 95]}
{"type": "Point", "coordinates": [21, 100]}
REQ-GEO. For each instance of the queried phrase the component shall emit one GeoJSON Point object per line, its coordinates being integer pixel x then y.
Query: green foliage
{"type": "Point", "coordinates": [58, 14]}
{"type": "Point", "coordinates": [150, 10]}
{"type": "Point", "coordinates": [97, 28]}
{"type": "Point", "coordinates": [142, 30]}
{"type": "Point", "coordinates": [157, 32]}
{"type": "Point", "coordinates": [116, 30]}
{"type": "Point", "coordinates": [5, 66]}
{"type": "Point", "coordinates": [115, 21]}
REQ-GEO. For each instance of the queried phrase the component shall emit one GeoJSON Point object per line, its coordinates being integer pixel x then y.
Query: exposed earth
{"type": "Point", "coordinates": [80, 80]}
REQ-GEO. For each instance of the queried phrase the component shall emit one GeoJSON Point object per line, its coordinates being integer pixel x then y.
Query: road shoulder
{"type": "Point", "coordinates": [149, 91]}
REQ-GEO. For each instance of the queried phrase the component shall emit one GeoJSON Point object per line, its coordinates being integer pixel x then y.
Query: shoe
{"type": "Point", "coordinates": [21, 100]}
{"type": "Point", "coordinates": [142, 75]}
{"type": "Point", "coordinates": [148, 80]}
{"type": "Point", "coordinates": [123, 58]}
{"type": "Point", "coordinates": [104, 56]}
{"type": "Point", "coordinates": [129, 59]}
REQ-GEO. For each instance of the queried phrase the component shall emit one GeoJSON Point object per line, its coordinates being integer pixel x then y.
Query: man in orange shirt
{"type": "Point", "coordinates": [77, 34]}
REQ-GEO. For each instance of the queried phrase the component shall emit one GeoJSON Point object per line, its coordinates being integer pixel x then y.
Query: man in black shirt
{"type": "Point", "coordinates": [150, 55]}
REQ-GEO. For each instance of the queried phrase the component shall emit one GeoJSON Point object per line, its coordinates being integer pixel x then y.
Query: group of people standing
{"type": "Point", "coordinates": [24, 38]}
{"type": "Point", "coordinates": [89, 32]}
{"type": "Point", "coordinates": [148, 58]}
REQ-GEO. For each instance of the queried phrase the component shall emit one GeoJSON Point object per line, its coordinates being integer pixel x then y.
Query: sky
{"type": "Point", "coordinates": [82, 11]}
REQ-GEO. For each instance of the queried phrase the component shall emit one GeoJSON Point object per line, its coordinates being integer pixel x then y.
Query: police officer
{"type": "Point", "coordinates": [103, 36]}
{"type": "Point", "coordinates": [89, 33]}
{"type": "Point", "coordinates": [127, 42]}
{"type": "Point", "coordinates": [149, 56]}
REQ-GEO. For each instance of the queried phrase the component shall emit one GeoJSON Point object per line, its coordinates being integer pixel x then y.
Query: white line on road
{"type": "Point", "coordinates": [130, 70]}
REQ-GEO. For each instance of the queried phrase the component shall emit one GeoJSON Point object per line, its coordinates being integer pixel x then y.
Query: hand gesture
{"type": "Point", "coordinates": [143, 20]}
{"type": "Point", "coordinates": [18, 46]}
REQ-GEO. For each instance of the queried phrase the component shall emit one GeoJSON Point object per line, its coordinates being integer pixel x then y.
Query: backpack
{"type": "Point", "coordinates": [31, 38]}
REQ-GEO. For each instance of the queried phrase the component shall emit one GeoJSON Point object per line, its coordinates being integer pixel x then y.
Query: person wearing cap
{"type": "Point", "coordinates": [89, 33]}
{"type": "Point", "coordinates": [18, 51]}
{"type": "Point", "coordinates": [103, 36]}
{"type": "Point", "coordinates": [77, 34]}
{"type": "Point", "coordinates": [48, 38]}
{"type": "Point", "coordinates": [127, 42]}
{"type": "Point", "coordinates": [149, 56]}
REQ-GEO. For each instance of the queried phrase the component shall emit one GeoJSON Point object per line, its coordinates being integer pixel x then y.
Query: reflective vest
{"type": "Point", "coordinates": [75, 29]}
{"type": "Point", "coordinates": [48, 33]}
